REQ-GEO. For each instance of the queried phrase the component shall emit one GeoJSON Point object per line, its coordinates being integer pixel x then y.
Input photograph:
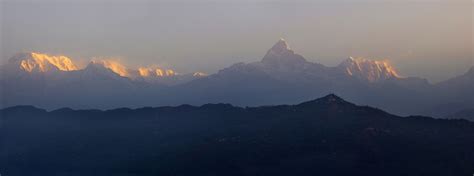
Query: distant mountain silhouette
{"type": "Point", "coordinates": [281, 77]}
{"type": "Point", "coordinates": [454, 94]}
{"type": "Point", "coordinates": [326, 136]}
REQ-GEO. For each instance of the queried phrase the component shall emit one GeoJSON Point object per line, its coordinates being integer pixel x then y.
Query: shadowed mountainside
{"type": "Point", "coordinates": [326, 136]}
{"type": "Point", "coordinates": [281, 77]}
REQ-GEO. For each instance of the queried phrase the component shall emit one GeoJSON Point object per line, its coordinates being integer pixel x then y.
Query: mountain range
{"type": "Point", "coordinates": [281, 77]}
{"type": "Point", "coordinates": [325, 136]}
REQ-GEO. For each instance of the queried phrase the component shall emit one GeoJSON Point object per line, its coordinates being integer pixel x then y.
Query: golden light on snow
{"type": "Point", "coordinates": [159, 72]}
{"type": "Point", "coordinates": [170, 72]}
{"type": "Point", "coordinates": [45, 62]}
{"type": "Point", "coordinates": [144, 72]}
{"type": "Point", "coordinates": [372, 70]}
{"type": "Point", "coordinates": [115, 66]}
{"type": "Point", "coordinates": [153, 71]}
{"type": "Point", "coordinates": [42, 63]}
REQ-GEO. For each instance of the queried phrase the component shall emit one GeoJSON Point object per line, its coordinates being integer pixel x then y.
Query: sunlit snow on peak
{"type": "Point", "coordinates": [370, 70]}
{"type": "Point", "coordinates": [155, 72]}
{"type": "Point", "coordinates": [42, 62]}
{"type": "Point", "coordinates": [115, 66]}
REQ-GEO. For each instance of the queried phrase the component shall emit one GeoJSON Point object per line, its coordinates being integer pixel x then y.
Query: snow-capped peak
{"type": "Point", "coordinates": [113, 66]}
{"type": "Point", "coordinates": [369, 70]}
{"type": "Point", "coordinates": [281, 54]}
{"type": "Point", "coordinates": [200, 74]}
{"type": "Point", "coordinates": [153, 71]}
{"type": "Point", "coordinates": [280, 48]}
{"type": "Point", "coordinates": [39, 62]}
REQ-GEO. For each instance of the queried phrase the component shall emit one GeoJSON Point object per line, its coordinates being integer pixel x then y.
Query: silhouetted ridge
{"type": "Point", "coordinates": [63, 110]}
{"type": "Point", "coordinates": [332, 98]}
{"type": "Point", "coordinates": [219, 105]}
{"type": "Point", "coordinates": [22, 108]}
{"type": "Point", "coordinates": [328, 99]}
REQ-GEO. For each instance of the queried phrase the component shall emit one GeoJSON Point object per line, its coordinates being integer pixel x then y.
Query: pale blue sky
{"type": "Point", "coordinates": [426, 38]}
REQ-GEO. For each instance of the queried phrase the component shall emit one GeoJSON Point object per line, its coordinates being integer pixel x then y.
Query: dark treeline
{"type": "Point", "coordinates": [327, 136]}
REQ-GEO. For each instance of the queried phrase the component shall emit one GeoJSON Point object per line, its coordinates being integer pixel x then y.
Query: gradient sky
{"type": "Point", "coordinates": [425, 38]}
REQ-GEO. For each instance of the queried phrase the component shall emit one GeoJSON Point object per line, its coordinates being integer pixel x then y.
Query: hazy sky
{"type": "Point", "coordinates": [426, 38]}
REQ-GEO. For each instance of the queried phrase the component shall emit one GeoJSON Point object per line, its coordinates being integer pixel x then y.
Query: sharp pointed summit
{"type": "Point", "coordinates": [281, 45]}
{"type": "Point", "coordinates": [281, 53]}
{"type": "Point", "coordinates": [330, 99]}
{"type": "Point", "coordinates": [280, 48]}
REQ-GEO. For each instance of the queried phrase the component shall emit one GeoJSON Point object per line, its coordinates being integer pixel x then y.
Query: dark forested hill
{"type": "Point", "coordinates": [326, 136]}
{"type": "Point", "coordinates": [467, 114]}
